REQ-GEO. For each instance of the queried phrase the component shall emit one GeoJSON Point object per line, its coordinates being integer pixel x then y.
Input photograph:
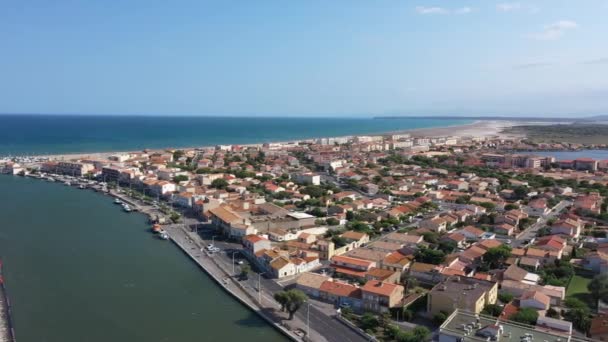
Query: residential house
{"type": "Point", "coordinates": [471, 233]}
{"type": "Point", "coordinates": [599, 327]}
{"type": "Point", "coordinates": [356, 239]}
{"type": "Point", "coordinates": [517, 289]}
{"type": "Point", "coordinates": [397, 262]}
{"type": "Point", "coordinates": [537, 207]}
{"type": "Point", "coordinates": [339, 293]}
{"type": "Point", "coordinates": [515, 273]}
{"type": "Point", "coordinates": [381, 297]}
{"type": "Point", "coordinates": [505, 229]}
{"type": "Point", "coordinates": [535, 300]}
{"type": "Point", "coordinates": [596, 261]}
{"type": "Point", "coordinates": [567, 226]}
{"type": "Point", "coordinates": [436, 224]}
{"type": "Point", "coordinates": [310, 283]}
{"type": "Point", "coordinates": [352, 267]}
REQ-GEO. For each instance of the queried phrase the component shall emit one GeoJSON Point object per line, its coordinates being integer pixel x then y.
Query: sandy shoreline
{"type": "Point", "coordinates": [478, 128]}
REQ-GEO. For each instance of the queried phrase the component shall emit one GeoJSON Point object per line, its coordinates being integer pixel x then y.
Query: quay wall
{"type": "Point", "coordinates": [7, 331]}
{"type": "Point", "coordinates": [249, 302]}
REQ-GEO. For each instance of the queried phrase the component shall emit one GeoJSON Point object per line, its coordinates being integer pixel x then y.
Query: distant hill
{"type": "Point", "coordinates": [598, 118]}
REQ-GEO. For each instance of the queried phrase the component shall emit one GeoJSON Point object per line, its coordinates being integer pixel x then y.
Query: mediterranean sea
{"type": "Point", "coordinates": [61, 134]}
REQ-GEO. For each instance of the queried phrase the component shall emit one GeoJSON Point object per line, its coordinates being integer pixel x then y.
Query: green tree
{"type": "Point", "coordinates": [552, 313]}
{"type": "Point", "coordinates": [291, 300]}
{"type": "Point", "coordinates": [440, 317]}
{"type": "Point", "coordinates": [245, 269]}
{"type": "Point", "coordinates": [175, 217]}
{"type": "Point", "coordinates": [598, 287]}
{"type": "Point", "coordinates": [339, 241]}
{"type": "Point", "coordinates": [219, 183]}
{"type": "Point", "coordinates": [496, 256]}
{"type": "Point", "coordinates": [447, 246]}
{"type": "Point", "coordinates": [180, 178]}
{"type": "Point", "coordinates": [430, 237]}
{"type": "Point", "coordinates": [505, 297]}
{"type": "Point", "coordinates": [281, 298]}
{"type": "Point", "coordinates": [492, 310]}
{"type": "Point", "coordinates": [526, 316]}
{"type": "Point", "coordinates": [430, 256]}
{"type": "Point", "coordinates": [332, 221]}
{"type": "Point", "coordinates": [580, 318]}
{"type": "Point", "coordinates": [313, 191]}
{"type": "Point", "coordinates": [369, 321]}
{"type": "Point", "coordinates": [318, 212]}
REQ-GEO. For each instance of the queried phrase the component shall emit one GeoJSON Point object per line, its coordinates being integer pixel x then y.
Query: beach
{"type": "Point", "coordinates": [481, 128]}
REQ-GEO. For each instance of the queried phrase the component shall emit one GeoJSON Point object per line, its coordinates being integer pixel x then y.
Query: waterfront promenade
{"type": "Point", "coordinates": [6, 329]}
{"type": "Point", "coordinates": [268, 309]}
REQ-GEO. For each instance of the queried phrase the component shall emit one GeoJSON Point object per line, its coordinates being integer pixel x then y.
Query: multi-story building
{"type": "Point", "coordinates": [73, 168]}
{"type": "Point", "coordinates": [459, 292]}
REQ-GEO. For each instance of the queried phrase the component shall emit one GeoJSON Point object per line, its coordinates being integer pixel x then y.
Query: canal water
{"type": "Point", "coordinates": [77, 268]}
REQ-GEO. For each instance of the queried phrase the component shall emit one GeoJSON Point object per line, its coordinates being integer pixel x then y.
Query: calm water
{"type": "Point", "coordinates": [569, 155]}
{"type": "Point", "coordinates": [79, 269]}
{"type": "Point", "coordinates": [52, 134]}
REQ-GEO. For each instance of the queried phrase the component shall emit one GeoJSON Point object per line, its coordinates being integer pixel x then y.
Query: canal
{"type": "Point", "coordinates": [77, 268]}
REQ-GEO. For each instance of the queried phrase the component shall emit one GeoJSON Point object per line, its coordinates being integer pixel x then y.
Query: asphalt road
{"type": "Point", "coordinates": [332, 329]}
{"type": "Point", "coordinates": [531, 232]}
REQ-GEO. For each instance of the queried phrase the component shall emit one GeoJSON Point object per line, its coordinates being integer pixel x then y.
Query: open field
{"type": "Point", "coordinates": [577, 288]}
{"type": "Point", "coordinates": [558, 133]}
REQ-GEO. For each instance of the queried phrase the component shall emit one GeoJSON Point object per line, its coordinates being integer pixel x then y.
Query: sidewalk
{"type": "Point", "coordinates": [269, 309]}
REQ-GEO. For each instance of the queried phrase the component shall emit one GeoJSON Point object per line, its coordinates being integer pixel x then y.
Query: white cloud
{"type": "Point", "coordinates": [509, 6]}
{"type": "Point", "coordinates": [516, 6]}
{"type": "Point", "coordinates": [441, 10]}
{"type": "Point", "coordinates": [464, 10]}
{"type": "Point", "coordinates": [431, 10]}
{"type": "Point", "coordinates": [555, 31]}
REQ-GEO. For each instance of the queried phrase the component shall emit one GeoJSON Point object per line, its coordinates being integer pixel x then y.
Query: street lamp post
{"type": "Point", "coordinates": [233, 271]}
{"type": "Point", "coordinates": [260, 288]}
{"type": "Point", "coordinates": [308, 320]}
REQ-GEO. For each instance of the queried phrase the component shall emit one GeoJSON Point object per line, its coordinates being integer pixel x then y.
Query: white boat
{"type": "Point", "coordinates": [117, 201]}
{"type": "Point", "coordinates": [126, 208]}
{"type": "Point", "coordinates": [81, 187]}
{"type": "Point", "coordinates": [164, 236]}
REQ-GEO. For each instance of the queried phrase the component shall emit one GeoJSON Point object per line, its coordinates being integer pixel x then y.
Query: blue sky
{"type": "Point", "coordinates": [306, 57]}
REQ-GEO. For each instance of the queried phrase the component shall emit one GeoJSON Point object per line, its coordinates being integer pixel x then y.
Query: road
{"type": "Point", "coordinates": [531, 232]}
{"type": "Point", "coordinates": [331, 329]}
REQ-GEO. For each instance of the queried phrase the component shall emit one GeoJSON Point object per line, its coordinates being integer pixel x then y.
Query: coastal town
{"type": "Point", "coordinates": [393, 237]}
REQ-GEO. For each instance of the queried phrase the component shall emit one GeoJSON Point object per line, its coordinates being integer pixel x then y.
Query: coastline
{"type": "Point", "coordinates": [477, 128]}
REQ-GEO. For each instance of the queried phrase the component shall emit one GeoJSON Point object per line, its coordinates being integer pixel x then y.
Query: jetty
{"type": "Point", "coordinates": [7, 332]}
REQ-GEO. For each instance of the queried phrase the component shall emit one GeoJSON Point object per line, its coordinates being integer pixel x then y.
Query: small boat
{"type": "Point", "coordinates": [126, 208]}
{"type": "Point", "coordinates": [164, 236]}
{"type": "Point", "coordinates": [81, 187]}
{"type": "Point", "coordinates": [117, 201]}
